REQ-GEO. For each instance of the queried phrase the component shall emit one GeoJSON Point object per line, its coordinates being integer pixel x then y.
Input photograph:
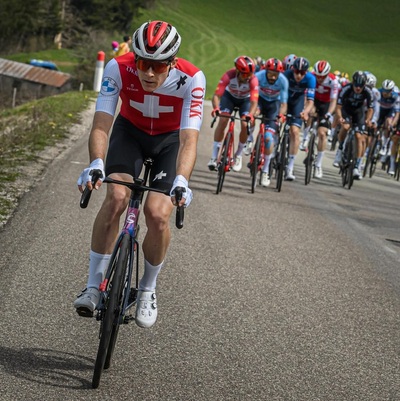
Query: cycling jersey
{"type": "Point", "coordinates": [176, 104]}
{"type": "Point", "coordinates": [390, 102]}
{"type": "Point", "coordinates": [305, 87]}
{"type": "Point", "coordinates": [328, 89]}
{"type": "Point", "coordinates": [276, 91]}
{"type": "Point", "coordinates": [240, 90]}
{"type": "Point", "coordinates": [352, 101]}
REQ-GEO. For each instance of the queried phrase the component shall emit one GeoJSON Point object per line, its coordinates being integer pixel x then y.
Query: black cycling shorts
{"type": "Point", "coordinates": [129, 147]}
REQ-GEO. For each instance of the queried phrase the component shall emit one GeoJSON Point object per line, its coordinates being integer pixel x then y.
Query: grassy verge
{"type": "Point", "coordinates": [30, 128]}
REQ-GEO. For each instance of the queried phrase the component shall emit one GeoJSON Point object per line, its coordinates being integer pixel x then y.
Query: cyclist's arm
{"type": "Point", "coordinates": [186, 159]}
{"type": "Point", "coordinates": [98, 138]}
{"type": "Point", "coordinates": [283, 109]}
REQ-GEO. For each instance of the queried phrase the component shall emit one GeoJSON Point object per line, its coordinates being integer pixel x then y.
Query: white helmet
{"type": "Point", "coordinates": [388, 85]}
{"type": "Point", "coordinates": [371, 79]}
{"type": "Point", "coordinates": [322, 68]}
{"type": "Point", "coordinates": [156, 40]}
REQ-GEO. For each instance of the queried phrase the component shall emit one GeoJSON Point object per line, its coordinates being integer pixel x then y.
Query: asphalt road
{"type": "Point", "coordinates": [265, 296]}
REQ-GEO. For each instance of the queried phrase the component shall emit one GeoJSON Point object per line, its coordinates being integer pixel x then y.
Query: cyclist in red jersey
{"type": "Point", "coordinates": [238, 87]}
{"type": "Point", "coordinates": [326, 94]}
{"type": "Point", "coordinates": [160, 117]}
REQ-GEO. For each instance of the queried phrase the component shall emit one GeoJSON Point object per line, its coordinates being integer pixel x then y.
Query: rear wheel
{"type": "Point", "coordinates": [111, 313]}
{"type": "Point", "coordinates": [255, 163]}
{"type": "Point", "coordinates": [224, 162]}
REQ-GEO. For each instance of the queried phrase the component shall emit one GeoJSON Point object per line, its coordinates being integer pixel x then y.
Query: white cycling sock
{"type": "Point", "coordinates": [149, 279]}
{"type": "Point", "coordinates": [98, 264]}
{"type": "Point", "coordinates": [239, 149]}
{"type": "Point", "coordinates": [318, 162]}
{"type": "Point", "coordinates": [291, 162]}
{"type": "Point", "coordinates": [265, 167]}
{"type": "Point", "coordinates": [215, 150]}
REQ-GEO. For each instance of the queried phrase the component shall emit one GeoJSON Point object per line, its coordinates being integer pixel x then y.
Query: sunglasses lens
{"type": "Point", "coordinates": [300, 72]}
{"type": "Point", "coordinates": [157, 67]}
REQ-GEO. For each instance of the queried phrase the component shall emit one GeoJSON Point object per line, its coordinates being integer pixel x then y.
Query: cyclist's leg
{"type": "Point", "coordinates": [393, 152]}
{"type": "Point", "coordinates": [124, 160]}
{"type": "Point", "coordinates": [226, 108]}
{"type": "Point", "coordinates": [295, 124]}
{"type": "Point", "coordinates": [322, 132]}
{"type": "Point", "coordinates": [244, 109]}
{"type": "Point", "coordinates": [342, 136]}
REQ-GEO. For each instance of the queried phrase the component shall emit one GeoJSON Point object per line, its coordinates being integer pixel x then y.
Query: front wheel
{"type": "Point", "coordinates": [112, 309]}
{"type": "Point", "coordinates": [281, 162]}
{"type": "Point", "coordinates": [224, 162]}
{"type": "Point", "coordinates": [310, 159]}
{"type": "Point", "coordinates": [255, 162]}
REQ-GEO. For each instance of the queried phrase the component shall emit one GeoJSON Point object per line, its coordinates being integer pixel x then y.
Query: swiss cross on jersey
{"type": "Point", "coordinates": [176, 104]}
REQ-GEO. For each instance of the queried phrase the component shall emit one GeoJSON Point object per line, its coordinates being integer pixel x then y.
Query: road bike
{"type": "Point", "coordinates": [226, 153]}
{"type": "Point", "coordinates": [396, 175]}
{"type": "Point", "coordinates": [281, 154]}
{"type": "Point", "coordinates": [312, 151]}
{"type": "Point", "coordinates": [117, 294]}
{"type": "Point", "coordinates": [257, 157]}
{"type": "Point", "coordinates": [348, 161]}
{"type": "Point", "coordinates": [373, 154]}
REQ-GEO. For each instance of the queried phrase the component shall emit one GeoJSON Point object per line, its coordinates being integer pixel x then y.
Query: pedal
{"type": "Point", "coordinates": [84, 312]}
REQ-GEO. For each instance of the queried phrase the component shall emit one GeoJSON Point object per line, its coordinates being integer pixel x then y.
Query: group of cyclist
{"type": "Point", "coordinates": [292, 87]}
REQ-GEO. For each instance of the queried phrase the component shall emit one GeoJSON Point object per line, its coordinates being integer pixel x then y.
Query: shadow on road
{"type": "Point", "coordinates": [49, 367]}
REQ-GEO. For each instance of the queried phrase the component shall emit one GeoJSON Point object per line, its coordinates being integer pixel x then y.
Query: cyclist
{"type": "Point", "coordinates": [160, 117]}
{"type": "Point", "coordinates": [260, 63]}
{"type": "Point", "coordinates": [326, 94]}
{"type": "Point", "coordinates": [371, 131]}
{"type": "Point", "coordinates": [238, 87]}
{"type": "Point", "coordinates": [273, 91]}
{"type": "Point", "coordinates": [301, 101]}
{"type": "Point", "coordinates": [288, 61]}
{"type": "Point", "coordinates": [395, 143]}
{"type": "Point", "coordinates": [350, 109]}
{"type": "Point", "coordinates": [389, 107]}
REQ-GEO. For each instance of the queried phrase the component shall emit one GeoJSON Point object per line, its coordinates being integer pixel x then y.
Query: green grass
{"type": "Point", "coordinates": [351, 35]}
{"type": "Point", "coordinates": [28, 129]}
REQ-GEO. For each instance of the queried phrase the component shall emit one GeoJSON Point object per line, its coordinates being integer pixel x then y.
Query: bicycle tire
{"type": "Point", "coordinates": [111, 314]}
{"type": "Point", "coordinates": [309, 160]}
{"type": "Point", "coordinates": [255, 163]}
{"type": "Point", "coordinates": [352, 161]}
{"type": "Point", "coordinates": [374, 158]}
{"type": "Point", "coordinates": [368, 160]}
{"type": "Point", "coordinates": [281, 162]}
{"type": "Point", "coordinates": [223, 163]}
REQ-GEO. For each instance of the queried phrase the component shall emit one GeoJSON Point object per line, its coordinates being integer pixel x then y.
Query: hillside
{"type": "Point", "coordinates": [350, 35]}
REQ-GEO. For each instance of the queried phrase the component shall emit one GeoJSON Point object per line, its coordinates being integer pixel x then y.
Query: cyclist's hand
{"type": "Point", "coordinates": [215, 112]}
{"type": "Point", "coordinates": [304, 115]}
{"type": "Point", "coordinates": [281, 118]}
{"type": "Point", "coordinates": [85, 179]}
{"type": "Point", "coordinates": [249, 118]}
{"type": "Point", "coordinates": [181, 181]}
{"type": "Point", "coordinates": [329, 117]}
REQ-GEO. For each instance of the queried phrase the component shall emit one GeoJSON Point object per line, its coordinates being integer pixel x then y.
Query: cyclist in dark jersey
{"type": "Point", "coordinates": [350, 112]}
{"type": "Point", "coordinates": [160, 117]}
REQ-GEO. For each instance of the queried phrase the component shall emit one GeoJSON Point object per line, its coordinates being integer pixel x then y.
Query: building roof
{"type": "Point", "coordinates": [30, 73]}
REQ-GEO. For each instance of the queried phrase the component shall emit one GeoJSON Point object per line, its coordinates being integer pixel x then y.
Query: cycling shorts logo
{"type": "Point", "coordinates": [109, 87]}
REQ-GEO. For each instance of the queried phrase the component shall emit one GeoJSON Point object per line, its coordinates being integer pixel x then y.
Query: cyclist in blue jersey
{"type": "Point", "coordinates": [302, 85]}
{"type": "Point", "coordinates": [273, 95]}
{"type": "Point", "coordinates": [389, 106]}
